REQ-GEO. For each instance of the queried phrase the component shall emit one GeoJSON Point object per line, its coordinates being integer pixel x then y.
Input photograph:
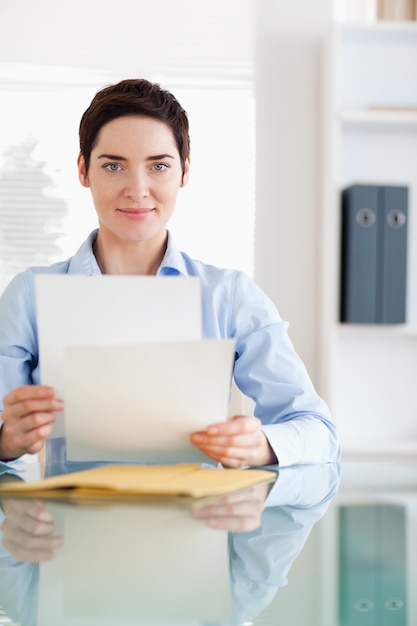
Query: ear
{"type": "Point", "coordinates": [82, 173]}
{"type": "Point", "coordinates": [186, 173]}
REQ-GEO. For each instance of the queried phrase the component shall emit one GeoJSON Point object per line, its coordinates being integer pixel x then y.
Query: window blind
{"type": "Point", "coordinates": [203, 52]}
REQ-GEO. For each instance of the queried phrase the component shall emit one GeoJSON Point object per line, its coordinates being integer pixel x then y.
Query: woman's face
{"type": "Point", "coordinates": [134, 175]}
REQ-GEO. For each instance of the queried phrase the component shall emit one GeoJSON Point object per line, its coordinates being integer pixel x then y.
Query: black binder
{"type": "Point", "coordinates": [359, 254]}
{"type": "Point", "coordinates": [393, 254]}
{"type": "Point", "coordinates": [374, 254]}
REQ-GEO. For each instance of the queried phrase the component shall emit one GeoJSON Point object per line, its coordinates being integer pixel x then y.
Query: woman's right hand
{"type": "Point", "coordinates": [28, 417]}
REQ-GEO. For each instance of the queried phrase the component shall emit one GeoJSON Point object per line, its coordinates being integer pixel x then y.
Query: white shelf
{"type": "Point", "coordinates": [379, 26]}
{"type": "Point", "coordinates": [378, 117]}
{"type": "Point", "coordinates": [368, 370]}
{"type": "Point", "coordinates": [404, 451]}
{"type": "Point", "coordinates": [405, 331]}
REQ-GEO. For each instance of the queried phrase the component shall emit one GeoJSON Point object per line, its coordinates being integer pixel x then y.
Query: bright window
{"type": "Point", "coordinates": [45, 214]}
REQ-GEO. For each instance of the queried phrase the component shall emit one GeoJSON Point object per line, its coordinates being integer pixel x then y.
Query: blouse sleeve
{"type": "Point", "coordinates": [18, 336]}
{"type": "Point", "coordinates": [295, 419]}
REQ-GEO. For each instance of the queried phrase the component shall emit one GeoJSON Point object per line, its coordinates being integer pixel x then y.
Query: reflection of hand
{"type": "Point", "coordinates": [238, 512]}
{"type": "Point", "coordinates": [236, 442]}
{"type": "Point", "coordinates": [28, 417]}
{"type": "Point", "coordinates": [28, 530]}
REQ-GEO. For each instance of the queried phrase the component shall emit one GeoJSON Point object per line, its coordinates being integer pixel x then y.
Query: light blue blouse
{"type": "Point", "coordinates": [295, 419]}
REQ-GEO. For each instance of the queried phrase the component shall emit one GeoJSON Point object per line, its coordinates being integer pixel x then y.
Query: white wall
{"type": "Point", "coordinates": [289, 43]}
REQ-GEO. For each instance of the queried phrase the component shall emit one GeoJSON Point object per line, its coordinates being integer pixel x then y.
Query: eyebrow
{"type": "Point", "coordinates": [115, 157]}
{"type": "Point", "coordinates": [112, 157]}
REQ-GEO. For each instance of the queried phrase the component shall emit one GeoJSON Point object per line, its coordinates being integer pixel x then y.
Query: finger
{"type": "Point", "coordinates": [239, 424]}
{"type": "Point", "coordinates": [32, 550]}
{"type": "Point", "coordinates": [31, 526]}
{"type": "Point", "coordinates": [246, 442]}
{"type": "Point", "coordinates": [37, 421]}
{"type": "Point", "coordinates": [234, 524]}
{"type": "Point", "coordinates": [34, 447]}
{"type": "Point", "coordinates": [218, 451]}
{"type": "Point", "coordinates": [16, 440]}
{"type": "Point", "coordinates": [30, 429]}
{"type": "Point", "coordinates": [212, 436]}
{"type": "Point", "coordinates": [33, 441]}
{"type": "Point", "coordinates": [23, 538]}
{"type": "Point", "coordinates": [241, 445]}
{"type": "Point", "coordinates": [235, 426]}
{"type": "Point", "coordinates": [235, 497]}
{"type": "Point", "coordinates": [31, 406]}
{"type": "Point", "coordinates": [212, 449]}
{"type": "Point", "coordinates": [26, 392]}
{"type": "Point", "coordinates": [228, 460]}
{"type": "Point", "coordinates": [33, 509]}
{"type": "Point", "coordinates": [241, 509]}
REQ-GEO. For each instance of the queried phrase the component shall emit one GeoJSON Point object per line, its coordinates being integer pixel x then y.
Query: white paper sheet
{"type": "Point", "coordinates": [101, 310]}
{"type": "Point", "coordinates": [140, 403]}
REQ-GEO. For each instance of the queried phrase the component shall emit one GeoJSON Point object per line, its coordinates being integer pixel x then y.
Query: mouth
{"type": "Point", "coordinates": [136, 214]}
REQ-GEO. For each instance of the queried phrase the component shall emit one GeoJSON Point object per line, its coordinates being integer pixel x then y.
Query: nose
{"type": "Point", "coordinates": [137, 186]}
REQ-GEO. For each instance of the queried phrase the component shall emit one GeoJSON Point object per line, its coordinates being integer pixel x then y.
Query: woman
{"type": "Point", "coordinates": [134, 157]}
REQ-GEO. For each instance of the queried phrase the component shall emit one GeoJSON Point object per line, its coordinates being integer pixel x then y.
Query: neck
{"type": "Point", "coordinates": [129, 257]}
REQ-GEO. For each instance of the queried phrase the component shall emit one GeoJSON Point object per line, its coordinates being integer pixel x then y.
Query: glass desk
{"type": "Point", "coordinates": [324, 545]}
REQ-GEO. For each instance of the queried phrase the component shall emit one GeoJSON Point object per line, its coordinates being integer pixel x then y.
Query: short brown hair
{"type": "Point", "coordinates": [134, 97]}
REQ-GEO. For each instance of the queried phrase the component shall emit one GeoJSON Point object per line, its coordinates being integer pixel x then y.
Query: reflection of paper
{"type": "Point", "coordinates": [101, 310]}
{"type": "Point", "coordinates": [135, 565]}
{"type": "Point", "coordinates": [141, 402]}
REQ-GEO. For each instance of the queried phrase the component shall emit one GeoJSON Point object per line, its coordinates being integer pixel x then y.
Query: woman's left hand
{"type": "Point", "coordinates": [237, 442]}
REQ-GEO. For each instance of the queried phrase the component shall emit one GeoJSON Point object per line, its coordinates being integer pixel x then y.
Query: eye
{"type": "Point", "coordinates": [112, 167]}
{"type": "Point", "coordinates": [160, 167]}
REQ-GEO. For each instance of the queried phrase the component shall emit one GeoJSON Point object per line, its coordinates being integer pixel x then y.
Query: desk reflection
{"type": "Point", "coordinates": [156, 561]}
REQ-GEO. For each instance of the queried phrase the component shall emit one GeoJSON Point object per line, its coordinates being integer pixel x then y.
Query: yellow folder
{"type": "Point", "coordinates": [135, 480]}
